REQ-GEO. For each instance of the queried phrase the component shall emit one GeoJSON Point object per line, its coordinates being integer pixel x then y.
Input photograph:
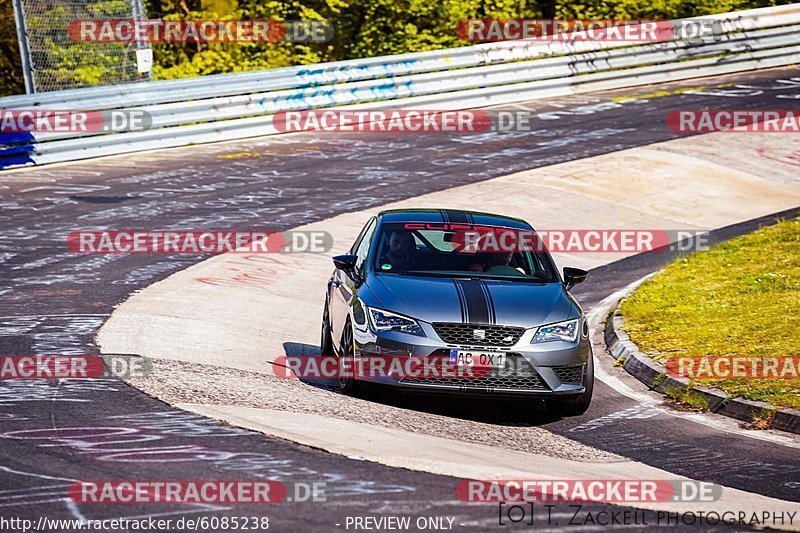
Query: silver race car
{"type": "Point", "coordinates": [418, 283]}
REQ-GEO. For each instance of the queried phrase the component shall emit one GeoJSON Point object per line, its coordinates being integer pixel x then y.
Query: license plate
{"type": "Point", "coordinates": [477, 359]}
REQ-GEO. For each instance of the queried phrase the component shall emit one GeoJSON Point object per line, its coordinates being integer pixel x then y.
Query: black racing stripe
{"type": "Point", "coordinates": [462, 301]}
{"type": "Point", "coordinates": [470, 218]}
{"type": "Point", "coordinates": [444, 215]}
{"type": "Point", "coordinates": [477, 308]}
{"type": "Point", "coordinates": [489, 303]}
{"type": "Point", "coordinates": [456, 217]}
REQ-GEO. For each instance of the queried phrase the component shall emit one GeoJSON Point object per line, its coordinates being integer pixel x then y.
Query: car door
{"type": "Point", "coordinates": [344, 285]}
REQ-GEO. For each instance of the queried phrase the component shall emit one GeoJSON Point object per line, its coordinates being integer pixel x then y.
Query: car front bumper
{"type": "Point", "coordinates": [550, 369]}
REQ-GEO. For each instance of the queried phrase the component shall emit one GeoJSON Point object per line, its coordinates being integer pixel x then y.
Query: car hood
{"type": "Point", "coordinates": [469, 300]}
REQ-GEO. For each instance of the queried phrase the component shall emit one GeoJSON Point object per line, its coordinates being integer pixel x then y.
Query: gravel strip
{"type": "Point", "coordinates": [494, 425]}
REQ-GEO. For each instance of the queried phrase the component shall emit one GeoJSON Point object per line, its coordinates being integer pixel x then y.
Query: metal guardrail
{"type": "Point", "coordinates": [237, 106]}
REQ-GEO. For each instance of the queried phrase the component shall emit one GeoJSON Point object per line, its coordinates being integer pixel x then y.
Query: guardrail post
{"type": "Point", "coordinates": [24, 49]}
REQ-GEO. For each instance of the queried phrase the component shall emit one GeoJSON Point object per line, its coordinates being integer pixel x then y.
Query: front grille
{"type": "Point", "coordinates": [464, 334]}
{"type": "Point", "coordinates": [517, 374]}
{"type": "Point", "coordinates": [569, 374]}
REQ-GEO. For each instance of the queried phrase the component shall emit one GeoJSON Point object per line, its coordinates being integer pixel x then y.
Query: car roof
{"type": "Point", "coordinates": [455, 216]}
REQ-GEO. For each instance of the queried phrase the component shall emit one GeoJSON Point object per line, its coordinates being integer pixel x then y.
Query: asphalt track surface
{"type": "Point", "coordinates": [53, 302]}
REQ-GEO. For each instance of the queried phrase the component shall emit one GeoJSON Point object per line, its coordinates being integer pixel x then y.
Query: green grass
{"type": "Point", "coordinates": [741, 298]}
{"type": "Point", "coordinates": [688, 399]}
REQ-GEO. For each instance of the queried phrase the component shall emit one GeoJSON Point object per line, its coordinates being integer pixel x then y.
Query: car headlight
{"type": "Point", "coordinates": [387, 321]}
{"type": "Point", "coordinates": [561, 331]}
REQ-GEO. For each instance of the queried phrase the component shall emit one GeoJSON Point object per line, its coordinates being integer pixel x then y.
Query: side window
{"type": "Point", "coordinates": [362, 249]}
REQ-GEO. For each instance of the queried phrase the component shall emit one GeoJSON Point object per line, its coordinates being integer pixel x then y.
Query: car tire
{"type": "Point", "coordinates": [580, 404]}
{"type": "Point", "coordinates": [347, 383]}
{"type": "Point", "coordinates": [326, 338]}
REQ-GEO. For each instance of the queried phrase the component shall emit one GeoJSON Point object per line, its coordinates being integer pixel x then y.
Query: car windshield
{"type": "Point", "coordinates": [450, 250]}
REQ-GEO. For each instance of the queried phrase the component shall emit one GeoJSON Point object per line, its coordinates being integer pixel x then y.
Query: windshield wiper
{"type": "Point", "coordinates": [433, 273]}
{"type": "Point", "coordinates": [476, 275]}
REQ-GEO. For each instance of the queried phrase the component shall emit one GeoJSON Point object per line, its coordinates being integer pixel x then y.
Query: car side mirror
{"type": "Point", "coordinates": [346, 262]}
{"type": "Point", "coordinates": [573, 276]}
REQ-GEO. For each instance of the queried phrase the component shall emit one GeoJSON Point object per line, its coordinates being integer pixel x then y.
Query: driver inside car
{"type": "Point", "coordinates": [401, 253]}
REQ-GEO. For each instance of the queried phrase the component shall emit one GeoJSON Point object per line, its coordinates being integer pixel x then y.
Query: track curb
{"type": "Point", "coordinates": [654, 375]}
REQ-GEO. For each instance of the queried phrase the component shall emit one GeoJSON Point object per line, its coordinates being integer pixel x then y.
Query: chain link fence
{"type": "Point", "coordinates": [54, 61]}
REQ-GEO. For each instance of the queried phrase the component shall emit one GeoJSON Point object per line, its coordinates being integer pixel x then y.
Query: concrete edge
{"type": "Point", "coordinates": [385, 447]}
{"type": "Point", "coordinates": [654, 375]}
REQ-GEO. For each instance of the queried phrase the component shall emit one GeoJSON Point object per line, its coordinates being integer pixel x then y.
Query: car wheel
{"type": "Point", "coordinates": [326, 339]}
{"type": "Point", "coordinates": [345, 380]}
{"type": "Point", "coordinates": [577, 406]}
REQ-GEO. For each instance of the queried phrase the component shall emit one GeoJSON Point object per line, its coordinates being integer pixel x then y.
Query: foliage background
{"type": "Point", "coordinates": [10, 68]}
{"type": "Point", "coordinates": [363, 28]}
